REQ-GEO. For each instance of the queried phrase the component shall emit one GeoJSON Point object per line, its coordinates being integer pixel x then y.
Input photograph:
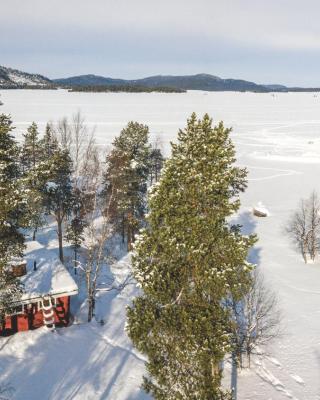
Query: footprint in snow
{"type": "Point", "coordinates": [298, 379]}
{"type": "Point", "coordinates": [274, 361]}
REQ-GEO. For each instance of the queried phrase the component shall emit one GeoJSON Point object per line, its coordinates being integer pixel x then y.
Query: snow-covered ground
{"type": "Point", "coordinates": [278, 139]}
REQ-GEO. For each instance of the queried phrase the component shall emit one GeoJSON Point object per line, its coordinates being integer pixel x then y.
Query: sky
{"type": "Point", "coordinates": [269, 41]}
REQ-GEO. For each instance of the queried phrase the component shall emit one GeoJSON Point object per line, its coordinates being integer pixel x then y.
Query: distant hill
{"type": "Point", "coordinates": [187, 82]}
{"type": "Point", "coordinates": [89, 80]}
{"type": "Point", "coordinates": [13, 78]}
{"type": "Point", "coordinates": [276, 87]}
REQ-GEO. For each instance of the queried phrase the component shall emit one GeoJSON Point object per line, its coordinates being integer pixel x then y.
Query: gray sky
{"type": "Point", "coordinates": [267, 41]}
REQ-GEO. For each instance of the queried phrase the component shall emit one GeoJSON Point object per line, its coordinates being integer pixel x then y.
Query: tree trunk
{"type": "Point", "coordinates": [34, 233]}
{"type": "Point", "coordinates": [304, 252]}
{"type": "Point", "coordinates": [129, 238]}
{"type": "Point", "coordinates": [234, 376]}
{"type": "Point", "coordinates": [90, 308]}
{"type": "Point", "coordinates": [75, 261]}
{"type": "Point", "coordinates": [60, 235]}
{"type": "Point", "coordinates": [123, 230]}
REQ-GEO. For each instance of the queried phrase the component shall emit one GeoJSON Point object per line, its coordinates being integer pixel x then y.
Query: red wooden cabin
{"type": "Point", "coordinates": [46, 298]}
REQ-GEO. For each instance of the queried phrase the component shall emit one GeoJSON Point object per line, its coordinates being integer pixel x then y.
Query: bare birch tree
{"type": "Point", "coordinates": [256, 317]}
{"type": "Point", "coordinates": [304, 227]}
{"type": "Point", "coordinates": [255, 321]}
{"type": "Point", "coordinates": [75, 136]}
{"type": "Point", "coordinates": [98, 227]}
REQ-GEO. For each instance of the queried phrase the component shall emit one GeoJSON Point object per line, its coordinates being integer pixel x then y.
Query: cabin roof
{"type": "Point", "coordinates": [51, 276]}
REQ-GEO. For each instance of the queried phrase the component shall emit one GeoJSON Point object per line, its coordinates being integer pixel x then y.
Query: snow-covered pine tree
{"type": "Point", "coordinates": [156, 164]}
{"type": "Point", "coordinates": [13, 215]}
{"type": "Point", "coordinates": [75, 230]}
{"type": "Point", "coordinates": [186, 262]}
{"type": "Point", "coordinates": [58, 193]}
{"type": "Point", "coordinates": [126, 179]}
{"type": "Point", "coordinates": [48, 143]}
{"type": "Point", "coordinates": [31, 155]}
{"type": "Point", "coordinates": [31, 150]}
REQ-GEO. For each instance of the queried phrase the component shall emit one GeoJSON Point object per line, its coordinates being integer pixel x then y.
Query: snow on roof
{"type": "Point", "coordinates": [51, 276]}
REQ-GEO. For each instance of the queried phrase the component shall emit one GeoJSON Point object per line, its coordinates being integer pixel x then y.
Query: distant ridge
{"type": "Point", "coordinates": [15, 79]}
{"type": "Point", "coordinates": [186, 82]}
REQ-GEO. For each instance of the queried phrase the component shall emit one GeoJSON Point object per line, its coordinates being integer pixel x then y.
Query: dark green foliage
{"type": "Point", "coordinates": [12, 195]}
{"type": "Point", "coordinates": [75, 230]}
{"type": "Point", "coordinates": [48, 143]}
{"type": "Point", "coordinates": [58, 194]}
{"type": "Point", "coordinates": [126, 88]}
{"type": "Point", "coordinates": [9, 152]}
{"type": "Point", "coordinates": [32, 154]}
{"type": "Point", "coordinates": [10, 291]}
{"type": "Point", "coordinates": [126, 179]}
{"type": "Point", "coordinates": [156, 164]}
{"type": "Point", "coordinates": [187, 261]}
{"type": "Point", "coordinates": [31, 150]}
{"type": "Point", "coordinates": [13, 202]}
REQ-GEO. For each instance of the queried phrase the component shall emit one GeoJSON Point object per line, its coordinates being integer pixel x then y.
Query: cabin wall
{"type": "Point", "coordinates": [32, 317]}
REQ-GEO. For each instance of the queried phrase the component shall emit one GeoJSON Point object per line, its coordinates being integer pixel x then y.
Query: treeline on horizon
{"type": "Point", "coordinates": [124, 88]}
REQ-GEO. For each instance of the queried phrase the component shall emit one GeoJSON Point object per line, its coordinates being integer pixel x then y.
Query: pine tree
{"type": "Point", "coordinates": [48, 143]}
{"type": "Point", "coordinates": [13, 199]}
{"type": "Point", "coordinates": [58, 194]}
{"type": "Point", "coordinates": [126, 179]}
{"type": "Point", "coordinates": [13, 215]}
{"type": "Point", "coordinates": [31, 149]}
{"type": "Point", "coordinates": [32, 154]}
{"type": "Point", "coordinates": [187, 261]}
{"type": "Point", "coordinates": [75, 230]}
{"type": "Point", "coordinates": [156, 164]}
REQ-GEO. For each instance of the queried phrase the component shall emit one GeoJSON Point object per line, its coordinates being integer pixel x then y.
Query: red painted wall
{"type": "Point", "coordinates": [32, 317]}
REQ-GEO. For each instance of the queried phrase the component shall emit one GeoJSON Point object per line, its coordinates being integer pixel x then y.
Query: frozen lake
{"type": "Point", "coordinates": [278, 138]}
{"type": "Point", "coordinates": [267, 125]}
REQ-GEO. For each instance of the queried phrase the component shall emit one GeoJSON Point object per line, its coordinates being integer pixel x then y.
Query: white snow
{"type": "Point", "coordinates": [261, 208]}
{"type": "Point", "coordinates": [21, 78]}
{"type": "Point", "coordinates": [277, 138]}
{"type": "Point", "coordinates": [51, 277]}
{"type": "Point", "coordinates": [51, 185]}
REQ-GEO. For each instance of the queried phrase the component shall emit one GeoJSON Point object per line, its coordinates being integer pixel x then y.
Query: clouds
{"type": "Point", "coordinates": [132, 38]}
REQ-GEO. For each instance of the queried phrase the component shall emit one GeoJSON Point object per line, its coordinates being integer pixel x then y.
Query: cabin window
{"type": "Point", "coordinates": [17, 310]}
{"type": "Point", "coordinates": [53, 302]}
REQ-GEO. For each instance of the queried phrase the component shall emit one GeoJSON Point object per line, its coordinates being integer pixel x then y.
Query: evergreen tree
{"type": "Point", "coordinates": [13, 216]}
{"type": "Point", "coordinates": [75, 230]}
{"type": "Point", "coordinates": [48, 143]}
{"type": "Point", "coordinates": [32, 154]}
{"type": "Point", "coordinates": [156, 164]}
{"type": "Point", "coordinates": [13, 197]}
{"type": "Point", "coordinates": [34, 182]}
{"type": "Point", "coordinates": [187, 261]}
{"type": "Point", "coordinates": [126, 179]}
{"type": "Point", "coordinates": [58, 195]}
{"type": "Point", "coordinates": [31, 149]}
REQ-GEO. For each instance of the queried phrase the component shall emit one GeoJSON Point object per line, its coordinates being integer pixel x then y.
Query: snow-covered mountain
{"type": "Point", "coordinates": [13, 78]}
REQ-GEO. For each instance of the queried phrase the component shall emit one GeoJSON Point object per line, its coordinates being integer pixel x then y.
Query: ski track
{"type": "Point", "coordinates": [267, 376]}
{"type": "Point", "coordinates": [285, 172]}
